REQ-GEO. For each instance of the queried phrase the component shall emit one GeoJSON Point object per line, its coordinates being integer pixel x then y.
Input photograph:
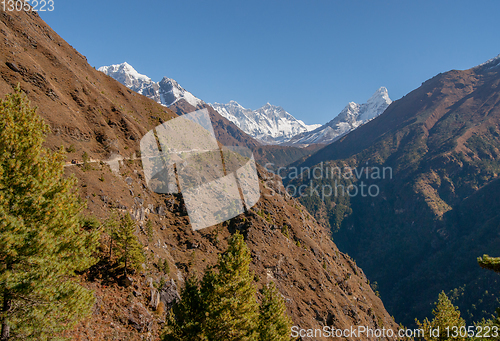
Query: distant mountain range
{"type": "Point", "coordinates": [170, 94]}
{"type": "Point", "coordinates": [269, 124]}
{"type": "Point", "coordinates": [351, 117]}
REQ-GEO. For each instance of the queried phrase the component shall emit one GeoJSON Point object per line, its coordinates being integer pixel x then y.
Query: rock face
{"type": "Point", "coordinates": [140, 318]}
{"type": "Point", "coordinates": [91, 112]}
{"type": "Point", "coordinates": [155, 298]}
{"type": "Point", "coordinates": [169, 294]}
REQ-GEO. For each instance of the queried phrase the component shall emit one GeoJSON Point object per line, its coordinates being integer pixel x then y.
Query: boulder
{"type": "Point", "coordinates": [169, 294]}
{"type": "Point", "coordinates": [155, 298]}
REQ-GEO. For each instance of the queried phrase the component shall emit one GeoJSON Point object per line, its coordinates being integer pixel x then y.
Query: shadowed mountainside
{"type": "Point", "coordinates": [419, 235]}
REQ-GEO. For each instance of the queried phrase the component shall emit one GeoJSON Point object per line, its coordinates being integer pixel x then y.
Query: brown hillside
{"type": "Point", "coordinates": [90, 112]}
{"type": "Point", "coordinates": [83, 106]}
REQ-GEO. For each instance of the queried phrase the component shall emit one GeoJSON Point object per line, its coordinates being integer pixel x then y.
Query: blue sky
{"type": "Point", "coordinates": [310, 57]}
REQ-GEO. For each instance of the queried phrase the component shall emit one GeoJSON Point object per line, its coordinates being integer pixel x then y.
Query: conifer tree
{"type": "Point", "coordinates": [185, 320]}
{"type": "Point", "coordinates": [445, 315]}
{"type": "Point", "coordinates": [128, 247]}
{"type": "Point", "coordinates": [224, 306]}
{"type": "Point", "coordinates": [111, 226]}
{"type": "Point", "coordinates": [42, 242]}
{"type": "Point", "coordinates": [274, 323]}
{"type": "Point", "coordinates": [489, 263]}
{"type": "Point", "coordinates": [229, 296]}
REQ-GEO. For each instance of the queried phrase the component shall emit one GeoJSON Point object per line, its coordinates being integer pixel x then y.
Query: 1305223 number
{"type": "Point", "coordinates": [27, 5]}
{"type": "Point", "coordinates": [473, 331]}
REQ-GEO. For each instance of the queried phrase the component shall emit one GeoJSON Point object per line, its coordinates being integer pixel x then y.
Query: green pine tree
{"type": "Point", "coordinates": [149, 231]}
{"type": "Point", "coordinates": [274, 323]}
{"type": "Point", "coordinates": [42, 242]}
{"type": "Point", "coordinates": [224, 306]}
{"type": "Point", "coordinates": [111, 226]}
{"type": "Point", "coordinates": [489, 263]}
{"type": "Point", "coordinates": [229, 296]}
{"type": "Point", "coordinates": [165, 267]}
{"type": "Point", "coordinates": [445, 315]}
{"type": "Point", "coordinates": [128, 247]}
{"type": "Point", "coordinates": [185, 320]}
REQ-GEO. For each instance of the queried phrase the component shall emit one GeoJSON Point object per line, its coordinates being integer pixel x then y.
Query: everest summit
{"type": "Point", "coordinates": [269, 124]}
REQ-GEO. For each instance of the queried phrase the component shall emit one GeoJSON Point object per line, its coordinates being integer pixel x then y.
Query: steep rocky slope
{"type": "Point", "coordinates": [423, 231]}
{"type": "Point", "coordinates": [90, 112]}
{"type": "Point", "coordinates": [84, 108]}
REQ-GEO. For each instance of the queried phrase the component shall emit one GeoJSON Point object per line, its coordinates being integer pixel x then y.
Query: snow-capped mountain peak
{"type": "Point", "coordinates": [269, 124]}
{"type": "Point", "coordinates": [375, 105]}
{"type": "Point", "coordinates": [165, 92]}
{"type": "Point", "coordinates": [234, 103]}
{"type": "Point", "coordinates": [128, 76]}
{"type": "Point", "coordinates": [352, 116]}
{"type": "Point", "coordinates": [171, 92]}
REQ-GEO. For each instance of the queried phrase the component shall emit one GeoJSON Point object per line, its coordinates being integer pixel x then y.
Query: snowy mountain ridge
{"type": "Point", "coordinates": [166, 92]}
{"type": "Point", "coordinates": [351, 117]}
{"type": "Point", "coordinates": [269, 124]}
{"type": "Point", "coordinates": [492, 63]}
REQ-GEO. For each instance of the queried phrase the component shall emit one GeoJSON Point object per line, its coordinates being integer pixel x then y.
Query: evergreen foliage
{"type": "Point", "coordinates": [42, 240]}
{"type": "Point", "coordinates": [224, 305]}
{"type": "Point", "coordinates": [489, 263]}
{"type": "Point", "coordinates": [274, 323]}
{"type": "Point", "coordinates": [229, 295]}
{"type": "Point", "coordinates": [111, 226]}
{"type": "Point", "coordinates": [445, 315]}
{"type": "Point", "coordinates": [164, 267]}
{"type": "Point", "coordinates": [86, 160]}
{"type": "Point", "coordinates": [149, 231]}
{"type": "Point", "coordinates": [185, 321]}
{"type": "Point", "coordinates": [127, 246]}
